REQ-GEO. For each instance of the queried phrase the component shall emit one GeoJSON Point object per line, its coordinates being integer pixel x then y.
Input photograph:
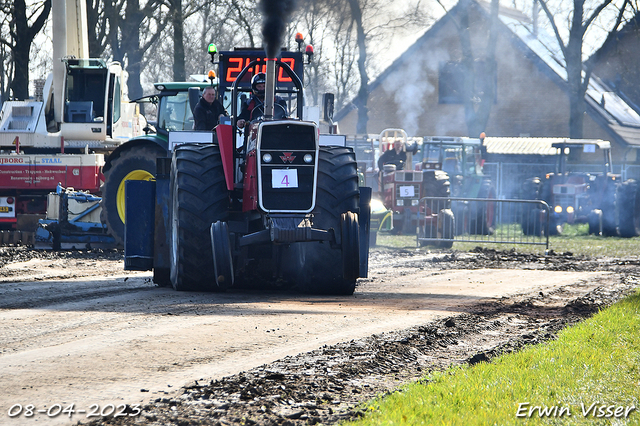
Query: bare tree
{"type": "Point", "coordinates": [23, 26]}
{"type": "Point", "coordinates": [363, 92]}
{"type": "Point", "coordinates": [478, 66]}
{"type": "Point", "coordinates": [360, 23]}
{"type": "Point", "coordinates": [177, 24]}
{"type": "Point", "coordinates": [98, 26]}
{"type": "Point", "coordinates": [5, 51]}
{"type": "Point", "coordinates": [581, 19]}
{"type": "Point", "coordinates": [133, 29]}
{"type": "Point", "coordinates": [313, 18]}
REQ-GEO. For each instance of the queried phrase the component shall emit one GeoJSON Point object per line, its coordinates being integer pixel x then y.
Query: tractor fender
{"type": "Point", "coordinates": [224, 133]}
{"type": "Point", "coordinates": [153, 141]}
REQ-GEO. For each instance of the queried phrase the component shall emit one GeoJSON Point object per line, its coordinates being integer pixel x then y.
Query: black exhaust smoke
{"type": "Point", "coordinates": [276, 14]}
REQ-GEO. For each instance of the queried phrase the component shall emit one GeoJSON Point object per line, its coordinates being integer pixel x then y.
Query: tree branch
{"type": "Point", "coordinates": [547, 12]}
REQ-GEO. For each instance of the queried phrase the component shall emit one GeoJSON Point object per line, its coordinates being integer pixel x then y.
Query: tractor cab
{"type": "Point", "coordinates": [172, 106]}
{"type": "Point", "coordinates": [460, 157]}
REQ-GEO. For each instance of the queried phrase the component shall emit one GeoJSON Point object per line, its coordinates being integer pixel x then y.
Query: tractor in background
{"type": "Point", "coordinates": [461, 159]}
{"type": "Point", "coordinates": [402, 190]}
{"type": "Point", "coordinates": [609, 206]}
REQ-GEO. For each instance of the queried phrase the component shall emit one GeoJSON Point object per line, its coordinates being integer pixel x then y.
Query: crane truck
{"type": "Point", "coordinates": [62, 136]}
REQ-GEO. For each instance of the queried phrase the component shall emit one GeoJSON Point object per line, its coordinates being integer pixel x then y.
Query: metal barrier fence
{"type": "Point", "coordinates": [482, 220]}
{"type": "Point", "coordinates": [509, 177]}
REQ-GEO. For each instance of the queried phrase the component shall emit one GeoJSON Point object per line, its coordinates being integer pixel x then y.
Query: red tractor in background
{"type": "Point", "coordinates": [402, 191]}
{"type": "Point", "coordinates": [610, 207]}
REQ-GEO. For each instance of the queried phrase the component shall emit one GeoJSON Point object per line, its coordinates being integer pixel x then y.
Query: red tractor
{"type": "Point", "coordinates": [402, 191]}
{"type": "Point", "coordinates": [273, 207]}
{"type": "Point", "coordinates": [610, 207]}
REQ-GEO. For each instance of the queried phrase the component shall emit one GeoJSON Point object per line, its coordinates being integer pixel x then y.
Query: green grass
{"type": "Point", "coordinates": [596, 361]}
{"type": "Point", "coordinates": [574, 239]}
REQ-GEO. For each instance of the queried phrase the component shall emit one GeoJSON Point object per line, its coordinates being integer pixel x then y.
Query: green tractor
{"type": "Point", "coordinates": [136, 159]}
{"type": "Point", "coordinates": [461, 158]}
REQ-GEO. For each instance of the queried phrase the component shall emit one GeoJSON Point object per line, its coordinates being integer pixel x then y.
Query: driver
{"type": "Point", "coordinates": [396, 156]}
{"type": "Point", "coordinates": [254, 106]}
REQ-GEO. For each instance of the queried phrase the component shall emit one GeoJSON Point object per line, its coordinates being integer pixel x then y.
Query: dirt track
{"type": "Point", "coordinates": [75, 328]}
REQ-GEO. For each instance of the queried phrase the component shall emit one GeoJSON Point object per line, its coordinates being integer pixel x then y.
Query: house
{"type": "Point", "coordinates": [617, 62]}
{"type": "Point", "coordinates": [419, 91]}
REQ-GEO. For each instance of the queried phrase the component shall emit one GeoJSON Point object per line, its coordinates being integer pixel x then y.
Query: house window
{"type": "Point", "coordinates": [451, 81]}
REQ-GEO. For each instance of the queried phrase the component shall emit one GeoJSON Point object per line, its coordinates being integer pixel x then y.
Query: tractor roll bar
{"type": "Point", "coordinates": [234, 89]}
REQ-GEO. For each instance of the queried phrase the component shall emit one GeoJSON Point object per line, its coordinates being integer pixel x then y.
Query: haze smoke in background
{"type": "Point", "coordinates": [410, 86]}
{"type": "Point", "coordinates": [276, 15]}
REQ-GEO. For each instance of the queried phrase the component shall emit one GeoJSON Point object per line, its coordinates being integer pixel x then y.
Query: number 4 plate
{"type": "Point", "coordinates": [284, 178]}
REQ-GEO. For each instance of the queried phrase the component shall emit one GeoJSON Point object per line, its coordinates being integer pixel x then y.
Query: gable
{"type": "Point", "coordinates": [532, 92]}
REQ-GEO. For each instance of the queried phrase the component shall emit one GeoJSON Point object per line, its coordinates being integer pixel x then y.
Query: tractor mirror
{"type": "Point", "coordinates": [327, 106]}
{"type": "Point", "coordinates": [194, 97]}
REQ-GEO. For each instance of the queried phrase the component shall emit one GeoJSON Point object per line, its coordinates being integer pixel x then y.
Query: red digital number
{"type": "Point", "coordinates": [281, 76]}
{"type": "Point", "coordinates": [233, 71]}
{"type": "Point", "coordinates": [236, 65]}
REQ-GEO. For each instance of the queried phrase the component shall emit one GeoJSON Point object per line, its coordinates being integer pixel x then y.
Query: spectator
{"type": "Point", "coordinates": [207, 113]}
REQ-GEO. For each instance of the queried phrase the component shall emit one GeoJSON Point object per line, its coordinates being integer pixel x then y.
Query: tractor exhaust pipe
{"type": "Point", "coordinates": [270, 89]}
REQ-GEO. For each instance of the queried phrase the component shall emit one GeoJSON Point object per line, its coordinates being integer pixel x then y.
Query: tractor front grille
{"type": "Point", "coordinates": [407, 194]}
{"type": "Point", "coordinates": [287, 161]}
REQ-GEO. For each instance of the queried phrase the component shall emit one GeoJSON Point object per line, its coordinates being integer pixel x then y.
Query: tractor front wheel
{"type": "Point", "coordinates": [199, 198]}
{"type": "Point", "coordinates": [313, 266]}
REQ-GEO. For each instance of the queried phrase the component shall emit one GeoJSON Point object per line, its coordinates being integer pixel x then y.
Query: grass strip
{"type": "Point", "coordinates": [574, 239]}
{"type": "Point", "coordinates": [589, 375]}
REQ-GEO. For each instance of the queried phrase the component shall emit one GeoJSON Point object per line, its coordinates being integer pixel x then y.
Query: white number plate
{"type": "Point", "coordinates": [284, 178]}
{"type": "Point", "coordinates": [407, 191]}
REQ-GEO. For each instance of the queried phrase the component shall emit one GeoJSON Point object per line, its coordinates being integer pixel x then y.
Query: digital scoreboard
{"type": "Point", "coordinates": [233, 62]}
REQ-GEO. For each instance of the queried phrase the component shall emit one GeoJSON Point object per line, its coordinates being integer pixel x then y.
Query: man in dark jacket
{"type": "Point", "coordinates": [209, 110]}
{"type": "Point", "coordinates": [397, 156]}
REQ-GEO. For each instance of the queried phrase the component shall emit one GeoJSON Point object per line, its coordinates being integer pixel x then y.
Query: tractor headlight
{"type": "Point", "coordinates": [308, 158]}
{"type": "Point", "coordinates": [558, 209]}
{"type": "Point", "coordinates": [570, 209]}
{"type": "Point", "coordinates": [399, 202]}
{"type": "Point", "coordinates": [266, 157]}
{"type": "Point", "coordinates": [415, 202]}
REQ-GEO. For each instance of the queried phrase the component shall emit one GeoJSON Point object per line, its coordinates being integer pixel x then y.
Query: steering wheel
{"type": "Point", "coordinates": [279, 112]}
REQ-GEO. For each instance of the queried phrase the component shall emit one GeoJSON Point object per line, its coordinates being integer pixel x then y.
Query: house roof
{"type": "Point", "coordinates": [519, 145]}
{"type": "Point", "coordinates": [602, 98]}
{"type": "Point", "coordinates": [632, 25]}
{"type": "Point", "coordinates": [606, 107]}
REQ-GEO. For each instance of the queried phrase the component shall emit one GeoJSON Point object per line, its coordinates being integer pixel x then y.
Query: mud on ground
{"type": "Point", "coordinates": [329, 385]}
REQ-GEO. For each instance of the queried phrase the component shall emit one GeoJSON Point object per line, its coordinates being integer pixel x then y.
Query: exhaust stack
{"type": "Point", "coordinates": [270, 89]}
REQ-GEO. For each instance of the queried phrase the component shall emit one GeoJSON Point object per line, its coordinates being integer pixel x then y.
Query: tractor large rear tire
{"type": "Point", "coordinates": [199, 198]}
{"type": "Point", "coordinates": [609, 209]}
{"type": "Point", "coordinates": [629, 209]}
{"type": "Point", "coordinates": [530, 212]}
{"type": "Point", "coordinates": [137, 163]}
{"type": "Point", "coordinates": [483, 214]}
{"type": "Point", "coordinates": [315, 267]}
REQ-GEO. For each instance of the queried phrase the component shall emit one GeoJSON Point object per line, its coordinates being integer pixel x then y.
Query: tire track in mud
{"type": "Point", "coordinates": [319, 386]}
